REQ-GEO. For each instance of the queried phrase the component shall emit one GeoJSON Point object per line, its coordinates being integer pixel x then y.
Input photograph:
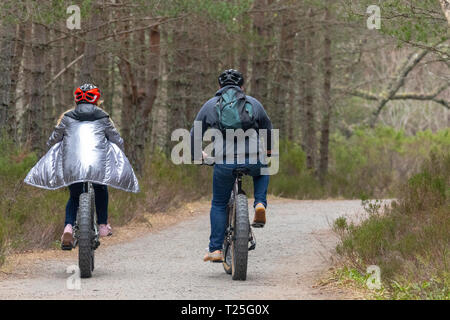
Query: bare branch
{"type": "Point", "coordinates": [393, 87]}
{"type": "Point", "coordinates": [399, 96]}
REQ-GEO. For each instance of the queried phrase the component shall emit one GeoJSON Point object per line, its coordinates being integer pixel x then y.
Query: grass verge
{"type": "Point", "coordinates": [408, 240]}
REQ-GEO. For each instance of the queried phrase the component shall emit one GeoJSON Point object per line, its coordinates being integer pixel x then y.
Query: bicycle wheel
{"type": "Point", "coordinates": [239, 244]}
{"type": "Point", "coordinates": [85, 250]}
{"type": "Point", "coordinates": [93, 226]}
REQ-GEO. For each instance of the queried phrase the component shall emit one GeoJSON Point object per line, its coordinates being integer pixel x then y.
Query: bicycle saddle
{"type": "Point", "coordinates": [241, 171]}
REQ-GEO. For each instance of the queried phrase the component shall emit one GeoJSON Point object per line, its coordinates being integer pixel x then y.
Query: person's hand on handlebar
{"type": "Point", "coordinates": [207, 159]}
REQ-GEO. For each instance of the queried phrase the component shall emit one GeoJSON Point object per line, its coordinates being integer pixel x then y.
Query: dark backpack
{"type": "Point", "coordinates": [234, 111]}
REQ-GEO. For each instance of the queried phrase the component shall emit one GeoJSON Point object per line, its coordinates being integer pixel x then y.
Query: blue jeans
{"type": "Point", "coordinates": [223, 182]}
{"type": "Point", "coordinates": [101, 202]}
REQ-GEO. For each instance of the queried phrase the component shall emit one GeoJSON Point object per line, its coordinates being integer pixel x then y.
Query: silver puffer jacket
{"type": "Point", "coordinates": [85, 146]}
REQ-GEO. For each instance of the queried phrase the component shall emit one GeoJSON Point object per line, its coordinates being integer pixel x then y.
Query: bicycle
{"type": "Point", "coordinates": [85, 231]}
{"type": "Point", "coordinates": [238, 234]}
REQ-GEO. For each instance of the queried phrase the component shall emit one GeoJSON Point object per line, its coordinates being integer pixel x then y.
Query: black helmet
{"type": "Point", "coordinates": [231, 77]}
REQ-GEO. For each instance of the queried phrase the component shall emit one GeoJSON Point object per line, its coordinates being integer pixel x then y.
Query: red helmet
{"type": "Point", "coordinates": [87, 93]}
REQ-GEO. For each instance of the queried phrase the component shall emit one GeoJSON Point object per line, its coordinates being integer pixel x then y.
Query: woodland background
{"type": "Point", "coordinates": [359, 110]}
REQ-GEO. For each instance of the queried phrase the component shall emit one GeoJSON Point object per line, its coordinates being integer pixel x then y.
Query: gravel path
{"type": "Point", "coordinates": [292, 251]}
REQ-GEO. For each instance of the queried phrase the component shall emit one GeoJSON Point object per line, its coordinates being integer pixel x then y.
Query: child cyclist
{"type": "Point", "coordinates": [84, 146]}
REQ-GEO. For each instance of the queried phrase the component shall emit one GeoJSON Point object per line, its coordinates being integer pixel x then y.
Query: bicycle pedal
{"type": "Point", "coordinates": [66, 247]}
{"type": "Point", "coordinates": [96, 245]}
{"type": "Point", "coordinates": [251, 240]}
{"type": "Point", "coordinates": [258, 225]}
{"type": "Point", "coordinates": [217, 261]}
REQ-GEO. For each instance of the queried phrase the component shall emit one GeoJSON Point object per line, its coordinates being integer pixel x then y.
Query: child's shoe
{"type": "Point", "coordinates": [105, 230]}
{"type": "Point", "coordinates": [67, 238]}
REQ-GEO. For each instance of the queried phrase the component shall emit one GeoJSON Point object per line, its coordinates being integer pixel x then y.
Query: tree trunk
{"type": "Point", "coordinates": [48, 94]}
{"type": "Point", "coordinates": [310, 117]}
{"type": "Point", "coordinates": [28, 81]}
{"type": "Point", "coordinates": [177, 78]}
{"type": "Point", "coordinates": [16, 63]}
{"type": "Point", "coordinates": [90, 47]}
{"type": "Point", "coordinates": [129, 92]}
{"type": "Point", "coordinates": [325, 131]}
{"type": "Point", "coordinates": [110, 84]}
{"type": "Point", "coordinates": [287, 38]}
{"type": "Point", "coordinates": [242, 49]}
{"type": "Point", "coordinates": [283, 78]}
{"type": "Point", "coordinates": [68, 78]}
{"type": "Point", "coordinates": [259, 64]}
{"type": "Point", "coordinates": [6, 66]}
{"type": "Point", "coordinates": [58, 85]}
{"type": "Point", "coordinates": [39, 52]}
{"type": "Point", "coordinates": [301, 79]}
{"type": "Point", "coordinates": [153, 75]}
{"type": "Point", "coordinates": [148, 86]}
{"type": "Point", "coordinates": [109, 73]}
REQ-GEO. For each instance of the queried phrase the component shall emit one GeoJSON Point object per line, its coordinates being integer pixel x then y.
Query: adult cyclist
{"type": "Point", "coordinates": [217, 113]}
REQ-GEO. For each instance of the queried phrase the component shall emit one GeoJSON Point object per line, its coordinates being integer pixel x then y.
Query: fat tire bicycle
{"type": "Point", "coordinates": [85, 231]}
{"type": "Point", "coordinates": [239, 238]}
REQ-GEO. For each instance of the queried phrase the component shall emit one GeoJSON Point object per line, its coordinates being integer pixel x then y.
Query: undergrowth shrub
{"type": "Point", "coordinates": [370, 163]}
{"type": "Point", "coordinates": [409, 240]}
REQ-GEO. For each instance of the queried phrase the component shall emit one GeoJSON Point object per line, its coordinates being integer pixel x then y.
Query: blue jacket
{"type": "Point", "coordinates": [209, 118]}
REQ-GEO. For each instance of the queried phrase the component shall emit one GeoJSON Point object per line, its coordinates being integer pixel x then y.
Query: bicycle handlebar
{"type": "Point", "coordinates": [208, 161]}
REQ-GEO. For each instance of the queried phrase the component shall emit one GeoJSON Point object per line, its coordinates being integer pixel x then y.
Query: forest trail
{"type": "Point", "coordinates": [292, 251]}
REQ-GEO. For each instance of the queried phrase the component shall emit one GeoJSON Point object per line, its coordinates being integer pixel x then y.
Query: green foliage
{"type": "Point", "coordinates": [434, 289]}
{"type": "Point", "coordinates": [23, 209]}
{"type": "Point", "coordinates": [46, 12]}
{"type": "Point", "coordinates": [371, 162]}
{"type": "Point", "coordinates": [225, 12]}
{"type": "Point", "coordinates": [368, 164]}
{"type": "Point", "coordinates": [293, 179]}
{"type": "Point", "coordinates": [14, 162]}
{"type": "Point", "coordinates": [419, 21]}
{"type": "Point", "coordinates": [408, 240]}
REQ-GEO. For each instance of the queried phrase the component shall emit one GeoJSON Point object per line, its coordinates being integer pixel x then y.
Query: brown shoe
{"type": "Point", "coordinates": [215, 256]}
{"type": "Point", "coordinates": [260, 216]}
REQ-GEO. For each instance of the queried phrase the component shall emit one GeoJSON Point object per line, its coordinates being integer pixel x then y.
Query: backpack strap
{"type": "Point", "coordinates": [219, 112]}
